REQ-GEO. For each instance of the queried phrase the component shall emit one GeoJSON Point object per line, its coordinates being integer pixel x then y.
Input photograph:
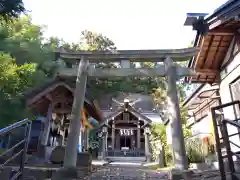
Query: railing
{"type": "Point", "coordinates": [221, 126]}
{"type": "Point", "coordinates": [13, 150]}
{"type": "Point", "coordinates": [126, 153]}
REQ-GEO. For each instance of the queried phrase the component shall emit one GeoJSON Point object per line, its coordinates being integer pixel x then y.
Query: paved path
{"type": "Point", "coordinates": [124, 172]}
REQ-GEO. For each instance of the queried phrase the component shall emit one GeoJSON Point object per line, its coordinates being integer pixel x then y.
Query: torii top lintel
{"type": "Point", "coordinates": [131, 55]}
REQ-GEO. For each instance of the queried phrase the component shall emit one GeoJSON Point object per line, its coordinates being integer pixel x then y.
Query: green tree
{"type": "Point", "coordinates": [11, 8]}
{"type": "Point", "coordinates": [14, 79]}
{"type": "Point", "coordinates": [24, 63]}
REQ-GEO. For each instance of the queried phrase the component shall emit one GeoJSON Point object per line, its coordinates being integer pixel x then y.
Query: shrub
{"type": "Point", "coordinates": [195, 150]}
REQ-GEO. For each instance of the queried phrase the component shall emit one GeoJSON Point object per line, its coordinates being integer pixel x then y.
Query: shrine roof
{"type": "Point", "coordinates": [70, 82]}
{"type": "Point", "coordinates": [38, 95]}
{"type": "Point", "coordinates": [222, 26]}
{"type": "Point", "coordinates": [131, 110]}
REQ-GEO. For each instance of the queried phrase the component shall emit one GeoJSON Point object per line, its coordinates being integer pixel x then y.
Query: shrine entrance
{"type": "Point", "coordinates": [166, 68]}
{"type": "Point", "coordinates": [125, 143]}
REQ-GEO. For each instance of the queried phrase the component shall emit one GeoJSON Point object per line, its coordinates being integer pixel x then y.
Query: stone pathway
{"type": "Point", "coordinates": [112, 172]}
{"type": "Point", "coordinates": [123, 172]}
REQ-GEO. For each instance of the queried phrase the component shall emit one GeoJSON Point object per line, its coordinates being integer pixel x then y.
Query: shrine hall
{"type": "Point", "coordinates": [127, 134]}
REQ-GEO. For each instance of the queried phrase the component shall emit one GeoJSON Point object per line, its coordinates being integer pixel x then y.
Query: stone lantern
{"type": "Point", "coordinates": [103, 135]}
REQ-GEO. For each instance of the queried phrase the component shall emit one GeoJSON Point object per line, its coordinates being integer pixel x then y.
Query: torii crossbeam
{"type": "Point", "coordinates": [169, 69]}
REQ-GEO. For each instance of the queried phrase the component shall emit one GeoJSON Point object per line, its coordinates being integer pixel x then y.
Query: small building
{"type": "Point", "coordinates": [128, 117]}
{"type": "Point", "coordinates": [53, 101]}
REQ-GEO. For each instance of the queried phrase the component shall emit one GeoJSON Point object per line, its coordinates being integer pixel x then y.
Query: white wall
{"type": "Point", "coordinates": [229, 74]}
{"type": "Point", "coordinates": [203, 127]}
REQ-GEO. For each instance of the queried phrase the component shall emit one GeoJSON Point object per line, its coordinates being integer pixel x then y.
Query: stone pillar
{"type": "Point", "coordinates": [138, 137]}
{"type": "Point", "coordinates": [70, 158]}
{"type": "Point", "coordinates": [147, 144]}
{"type": "Point", "coordinates": [179, 154]}
{"type": "Point", "coordinates": [113, 135]}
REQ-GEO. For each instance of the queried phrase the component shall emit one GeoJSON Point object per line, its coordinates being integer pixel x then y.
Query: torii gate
{"type": "Point", "coordinates": [169, 70]}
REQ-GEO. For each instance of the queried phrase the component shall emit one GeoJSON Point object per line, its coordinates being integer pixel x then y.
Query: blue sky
{"type": "Point", "coordinates": [131, 24]}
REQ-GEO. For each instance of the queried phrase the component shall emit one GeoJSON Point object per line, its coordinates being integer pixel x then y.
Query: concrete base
{"type": "Point", "coordinates": [65, 174]}
{"type": "Point", "coordinates": [84, 160]}
{"type": "Point", "coordinates": [174, 174]}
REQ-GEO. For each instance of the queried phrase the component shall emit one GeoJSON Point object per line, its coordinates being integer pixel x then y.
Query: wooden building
{"type": "Point", "coordinates": [218, 38]}
{"type": "Point", "coordinates": [54, 100]}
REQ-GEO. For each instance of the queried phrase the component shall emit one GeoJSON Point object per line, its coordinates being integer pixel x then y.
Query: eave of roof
{"type": "Point", "coordinates": [229, 9]}
{"type": "Point", "coordinates": [185, 103]}
{"type": "Point", "coordinates": [223, 9]}
{"type": "Point", "coordinates": [70, 82]}
{"type": "Point", "coordinates": [190, 101]}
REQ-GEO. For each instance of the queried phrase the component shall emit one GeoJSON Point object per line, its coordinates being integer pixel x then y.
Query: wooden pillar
{"type": "Point", "coordinates": [179, 154]}
{"type": "Point", "coordinates": [63, 136]}
{"type": "Point", "coordinates": [47, 126]}
{"type": "Point", "coordinates": [138, 136]}
{"type": "Point", "coordinates": [113, 135]}
{"type": "Point", "coordinates": [86, 139]}
{"type": "Point", "coordinates": [118, 141]}
{"type": "Point", "coordinates": [70, 158]}
{"type": "Point", "coordinates": [61, 131]}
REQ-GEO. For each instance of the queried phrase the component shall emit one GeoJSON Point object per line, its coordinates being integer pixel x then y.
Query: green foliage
{"type": "Point", "coordinates": [158, 133]}
{"type": "Point", "coordinates": [11, 9]}
{"type": "Point", "coordinates": [14, 79]}
{"type": "Point", "coordinates": [195, 150]}
{"type": "Point", "coordinates": [25, 62]}
{"type": "Point", "coordinates": [93, 139]}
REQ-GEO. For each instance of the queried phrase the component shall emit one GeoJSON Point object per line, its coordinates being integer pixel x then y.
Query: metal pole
{"type": "Point", "coordinates": [179, 153]}
{"type": "Point", "coordinates": [70, 158]}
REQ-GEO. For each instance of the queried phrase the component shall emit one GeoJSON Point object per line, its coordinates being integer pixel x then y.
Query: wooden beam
{"type": "Point", "coordinates": [62, 110]}
{"type": "Point", "coordinates": [125, 121]}
{"type": "Point", "coordinates": [222, 32]}
{"type": "Point", "coordinates": [208, 97]}
{"type": "Point", "coordinates": [207, 71]}
{"type": "Point", "coordinates": [49, 97]}
{"type": "Point", "coordinates": [132, 55]}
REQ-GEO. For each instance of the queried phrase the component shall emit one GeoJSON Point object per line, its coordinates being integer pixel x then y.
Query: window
{"type": "Point", "coordinates": [235, 93]}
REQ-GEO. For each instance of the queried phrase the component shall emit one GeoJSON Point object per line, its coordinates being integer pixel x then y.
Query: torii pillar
{"type": "Point", "coordinates": [179, 153]}
{"type": "Point", "coordinates": [70, 157]}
